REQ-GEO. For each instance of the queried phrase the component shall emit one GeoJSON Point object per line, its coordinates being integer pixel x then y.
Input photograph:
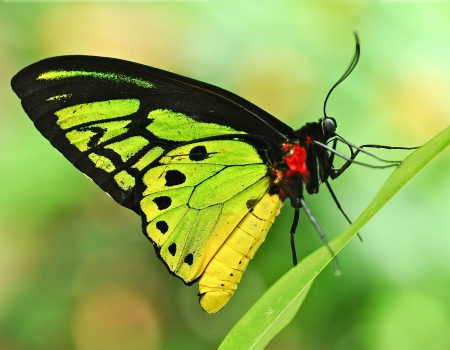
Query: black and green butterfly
{"type": "Point", "coordinates": [205, 169]}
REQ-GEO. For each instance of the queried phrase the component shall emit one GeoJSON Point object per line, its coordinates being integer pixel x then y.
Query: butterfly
{"type": "Point", "coordinates": [206, 170]}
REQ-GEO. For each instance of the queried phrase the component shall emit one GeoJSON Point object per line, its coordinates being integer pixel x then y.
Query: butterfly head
{"type": "Point", "coordinates": [329, 126]}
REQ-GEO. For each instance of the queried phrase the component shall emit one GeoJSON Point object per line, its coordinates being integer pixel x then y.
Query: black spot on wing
{"type": "Point", "coordinates": [162, 226]}
{"type": "Point", "coordinates": [198, 153]}
{"type": "Point", "coordinates": [162, 202]}
{"type": "Point", "coordinates": [174, 177]}
{"type": "Point", "coordinates": [172, 249]}
{"type": "Point", "coordinates": [251, 203]}
{"type": "Point", "coordinates": [189, 259]}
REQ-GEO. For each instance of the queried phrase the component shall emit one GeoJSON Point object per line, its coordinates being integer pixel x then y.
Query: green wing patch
{"type": "Point", "coordinates": [114, 77]}
{"type": "Point", "coordinates": [169, 125]}
{"type": "Point", "coordinates": [196, 196]}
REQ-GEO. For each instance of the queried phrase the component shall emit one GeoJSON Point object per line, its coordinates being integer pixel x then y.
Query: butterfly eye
{"type": "Point", "coordinates": [328, 127]}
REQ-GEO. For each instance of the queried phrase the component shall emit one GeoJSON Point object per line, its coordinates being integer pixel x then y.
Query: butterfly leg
{"type": "Point", "coordinates": [293, 228]}
{"type": "Point", "coordinates": [336, 172]}
{"type": "Point", "coordinates": [321, 235]}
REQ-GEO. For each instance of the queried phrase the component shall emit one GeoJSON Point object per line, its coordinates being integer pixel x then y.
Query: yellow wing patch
{"type": "Point", "coordinates": [224, 271]}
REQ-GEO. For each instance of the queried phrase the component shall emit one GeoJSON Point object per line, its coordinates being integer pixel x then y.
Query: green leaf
{"type": "Point", "coordinates": [278, 306]}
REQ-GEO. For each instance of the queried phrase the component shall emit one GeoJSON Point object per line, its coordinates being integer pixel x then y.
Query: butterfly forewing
{"type": "Point", "coordinates": [111, 118]}
{"type": "Point", "coordinates": [194, 199]}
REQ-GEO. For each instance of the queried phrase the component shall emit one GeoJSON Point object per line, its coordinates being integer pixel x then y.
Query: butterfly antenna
{"type": "Point", "coordinates": [347, 72]}
{"type": "Point", "coordinates": [293, 228]}
{"type": "Point", "coordinates": [311, 218]}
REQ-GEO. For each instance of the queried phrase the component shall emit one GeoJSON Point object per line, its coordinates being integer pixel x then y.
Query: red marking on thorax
{"type": "Point", "coordinates": [296, 161]}
{"type": "Point", "coordinates": [308, 141]}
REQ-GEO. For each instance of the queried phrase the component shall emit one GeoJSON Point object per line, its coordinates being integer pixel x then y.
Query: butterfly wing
{"type": "Point", "coordinates": [177, 151]}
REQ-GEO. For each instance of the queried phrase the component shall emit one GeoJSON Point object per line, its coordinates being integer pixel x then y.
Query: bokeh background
{"type": "Point", "coordinates": [77, 273]}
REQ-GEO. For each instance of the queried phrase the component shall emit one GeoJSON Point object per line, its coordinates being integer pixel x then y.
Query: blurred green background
{"type": "Point", "coordinates": [77, 273]}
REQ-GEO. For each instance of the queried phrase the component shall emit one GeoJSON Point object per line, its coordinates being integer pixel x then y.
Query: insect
{"type": "Point", "coordinates": [205, 169]}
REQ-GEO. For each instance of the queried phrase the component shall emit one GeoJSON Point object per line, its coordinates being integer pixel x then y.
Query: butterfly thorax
{"type": "Point", "coordinates": [301, 164]}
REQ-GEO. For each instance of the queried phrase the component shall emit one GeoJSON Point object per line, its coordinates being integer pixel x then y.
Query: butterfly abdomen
{"type": "Point", "coordinates": [223, 273]}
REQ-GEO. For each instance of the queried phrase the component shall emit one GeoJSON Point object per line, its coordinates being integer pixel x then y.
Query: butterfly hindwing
{"type": "Point", "coordinates": [194, 198]}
